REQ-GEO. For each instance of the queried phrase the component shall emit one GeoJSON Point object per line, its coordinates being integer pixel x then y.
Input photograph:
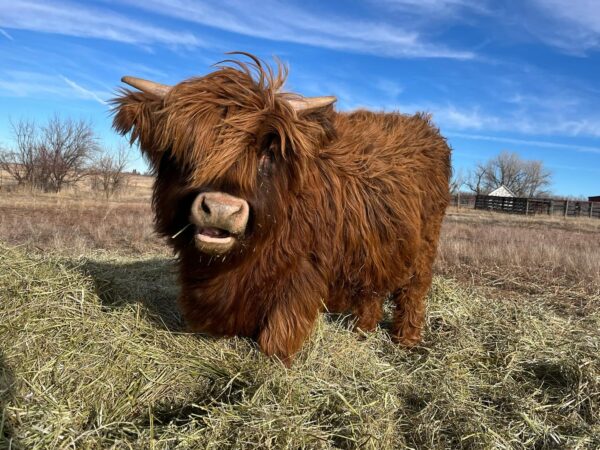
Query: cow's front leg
{"type": "Point", "coordinates": [295, 305]}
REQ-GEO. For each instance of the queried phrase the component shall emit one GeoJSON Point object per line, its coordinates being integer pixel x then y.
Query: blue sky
{"type": "Point", "coordinates": [496, 75]}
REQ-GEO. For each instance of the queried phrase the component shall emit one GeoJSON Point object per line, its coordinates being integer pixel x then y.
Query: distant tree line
{"type": "Point", "coordinates": [60, 153]}
{"type": "Point", "coordinates": [524, 178]}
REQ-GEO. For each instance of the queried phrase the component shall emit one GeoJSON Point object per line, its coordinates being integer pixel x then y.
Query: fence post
{"type": "Point", "coordinates": [551, 207]}
{"type": "Point", "coordinates": [591, 209]}
{"type": "Point", "coordinates": [527, 207]}
{"type": "Point", "coordinates": [566, 207]}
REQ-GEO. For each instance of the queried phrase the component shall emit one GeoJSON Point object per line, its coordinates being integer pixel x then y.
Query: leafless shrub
{"type": "Point", "coordinates": [50, 157]}
{"type": "Point", "coordinates": [109, 172]}
{"type": "Point", "coordinates": [20, 162]}
{"type": "Point", "coordinates": [66, 149]}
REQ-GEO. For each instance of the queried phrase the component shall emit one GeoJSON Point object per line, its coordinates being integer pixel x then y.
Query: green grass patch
{"type": "Point", "coordinates": [92, 355]}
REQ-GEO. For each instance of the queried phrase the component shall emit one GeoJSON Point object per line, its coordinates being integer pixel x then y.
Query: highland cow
{"type": "Point", "coordinates": [279, 207]}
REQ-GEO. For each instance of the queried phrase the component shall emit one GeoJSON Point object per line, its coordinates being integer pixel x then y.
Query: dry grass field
{"type": "Point", "coordinates": [552, 259]}
{"type": "Point", "coordinates": [93, 354]}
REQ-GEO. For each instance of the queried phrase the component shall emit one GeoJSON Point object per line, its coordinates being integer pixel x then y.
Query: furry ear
{"type": "Point", "coordinates": [138, 114]}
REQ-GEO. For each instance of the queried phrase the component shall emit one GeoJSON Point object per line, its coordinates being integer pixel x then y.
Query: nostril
{"type": "Point", "coordinates": [204, 206]}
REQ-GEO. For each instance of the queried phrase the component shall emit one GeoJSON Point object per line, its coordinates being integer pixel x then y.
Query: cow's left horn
{"type": "Point", "coordinates": [150, 87]}
{"type": "Point", "coordinates": [305, 104]}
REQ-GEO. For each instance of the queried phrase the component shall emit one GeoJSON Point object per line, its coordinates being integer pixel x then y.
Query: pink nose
{"type": "Point", "coordinates": [220, 210]}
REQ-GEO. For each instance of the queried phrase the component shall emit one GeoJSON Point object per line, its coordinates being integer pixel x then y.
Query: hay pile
{"type": "Point", "coordinates": [91, 357]}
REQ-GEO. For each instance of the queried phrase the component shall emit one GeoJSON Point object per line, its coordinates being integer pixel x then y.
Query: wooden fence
{"type": "Point", "coordinates": [530, 206]}
{"type": "Point", "coordinates": [462, 200]}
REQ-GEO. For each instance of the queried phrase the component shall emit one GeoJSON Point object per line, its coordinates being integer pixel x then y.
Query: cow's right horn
{"type": "Point", "coordinates": [151, 87]}
{"type": "Point", "coordinates": [306, 104]}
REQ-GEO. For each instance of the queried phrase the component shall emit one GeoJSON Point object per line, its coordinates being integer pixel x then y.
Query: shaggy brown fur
{"type": "Point", "coordinates": [348, 209]}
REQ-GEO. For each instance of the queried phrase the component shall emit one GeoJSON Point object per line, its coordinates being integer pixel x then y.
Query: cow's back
{"type": "Point", "coordinates": [393, 174]}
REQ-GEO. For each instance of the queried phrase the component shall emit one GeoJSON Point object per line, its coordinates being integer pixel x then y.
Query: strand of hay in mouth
{"type": "Point", "coordinates": [80, 368]}
{"type": "Point", "coordinates": [180, 231]}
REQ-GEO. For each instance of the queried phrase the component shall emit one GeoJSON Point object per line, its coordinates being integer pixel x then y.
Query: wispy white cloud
{"type": "Point", "coordinates": [526, 142]}
{"type": "Point", "coordinates": [527, 122]}
{"type": "Point", "coordinates": [37, 85]}
{"type": "Point", "coordinates": [285, 22]}
{"type": "Point", "coordinates": [82, 20]}
{"type": "Point", "coordinates": [6, 35]}
{"type": "Point", "coordinates": [574, 168]}
{"type": "Point", "coordinates": [554, 102]}
{"type": "Point", "coordinates": [437, 7]}
{"type": "Point", "coordinates": [23, 84]}
{"type": "Point", "coordinates": [571, 25]}
{"type": "Point", "coordinates": [83, 92]}
{"type": "Point", "coordinates": [462, 118]}
{"type": "Point", "coordinates": [389, 87]}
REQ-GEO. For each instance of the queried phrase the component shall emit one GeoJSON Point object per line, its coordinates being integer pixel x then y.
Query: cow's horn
{"type": "Point", "coordinates": [150, 87]}
{"type": "Point", "coordinates": [304, 104]}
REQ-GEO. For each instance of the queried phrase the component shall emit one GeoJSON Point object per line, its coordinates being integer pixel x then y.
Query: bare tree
{"type": "Point", "coordinates": [474, 180]}
{"type": "Point", "coordinates": [525, 178]}
{"type": "Point", "coordinates": [66, 149]}
{"type": "Point", "coordinates": [457, 181]}
{"type": "Point", "coordinates": [503, 170]}
{"type": "Point", "coordinates": [20, 162]}
{"type": "Point", "coordinates": [536, 179]}
{"type": "Point", "coordinates": [109, 171]}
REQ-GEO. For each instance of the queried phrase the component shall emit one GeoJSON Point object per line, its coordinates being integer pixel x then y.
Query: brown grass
{"type": "Point", "coordinates": [556, 259]}
{"type": "Point", "coordinates": [92, 354]}
{"type": "Point", "coordinates": [136, 187]}
{"type": "Point", "coordinates": [76, 221]}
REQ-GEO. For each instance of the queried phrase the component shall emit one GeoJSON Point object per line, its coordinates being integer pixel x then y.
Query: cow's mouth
{"type": "Point", "coordinates": [214, 241]}
{"type": "Point", "coordinates": [212, 233]}
{"type": "Point", "coordinates": [219, 219]}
